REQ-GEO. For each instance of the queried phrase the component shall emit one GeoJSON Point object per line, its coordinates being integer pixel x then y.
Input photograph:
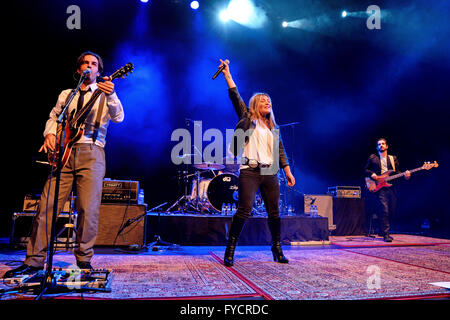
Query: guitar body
{"type": "Point", "coordinates": [374, 186]}
{"type": "Point", "coordinates": [71, 136]}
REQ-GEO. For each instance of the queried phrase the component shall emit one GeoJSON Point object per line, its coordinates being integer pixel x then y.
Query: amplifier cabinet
{"type": "Point", "coordinates": [345, 192]}
{"type": "Point", "coordinates": [22, 225]}
{"type": "Point", "coordinates": [324, 205]}
{"type": "Point", "coordinates": [115, 191]}
{"type": "Point", "coordinates": [121, 224]}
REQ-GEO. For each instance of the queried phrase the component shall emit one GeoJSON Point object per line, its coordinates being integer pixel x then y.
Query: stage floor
{"type": "Point", "coordinates": [347, 268]}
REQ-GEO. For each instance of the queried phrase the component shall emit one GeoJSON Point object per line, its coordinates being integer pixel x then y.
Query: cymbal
{"type": "Point", "coordinates": [232, 164]}
{"type": "Point", "coordinates": [232, 167]}
{"type": "Point", "coordinates": [209, 166]}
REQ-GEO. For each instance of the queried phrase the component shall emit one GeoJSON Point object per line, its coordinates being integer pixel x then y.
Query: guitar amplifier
{"type": "Point", "coordinates": [120, 191]}
{"type": "Point", "coordinates": [345, 192]}
{"type": "Point", "coordinates": [31, 203]}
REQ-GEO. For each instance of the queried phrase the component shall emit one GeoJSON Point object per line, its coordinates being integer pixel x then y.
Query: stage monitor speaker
{"type": "Point", "coordinates": [324, 205]}
{"type": "Point", "coordinates": [121, 225]}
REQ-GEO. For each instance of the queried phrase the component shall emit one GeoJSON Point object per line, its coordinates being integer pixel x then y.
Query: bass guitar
{"type": "Point", "coordinates": [382, 181]}
{"type": "Point", "coordinates": [74, 128]}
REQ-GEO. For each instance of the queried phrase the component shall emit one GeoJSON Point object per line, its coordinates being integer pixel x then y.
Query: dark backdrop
{"type": "Point", "coordinates": [345, 84]}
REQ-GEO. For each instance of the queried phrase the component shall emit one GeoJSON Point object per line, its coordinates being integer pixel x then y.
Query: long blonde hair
{"type": "Point", "coordinates": [255, 113]}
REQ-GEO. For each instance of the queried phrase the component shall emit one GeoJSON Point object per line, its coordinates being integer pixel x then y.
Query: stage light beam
{"type": "Point", "coordinates": [224, 15]}
{"type": "Point", "coordinates": [245, 13]}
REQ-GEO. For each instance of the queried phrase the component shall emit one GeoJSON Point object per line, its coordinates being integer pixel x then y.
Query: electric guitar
{"type": "Point", "coordinates": [74, 128]}
{"type": "Point", "coordinates": [382, 181]}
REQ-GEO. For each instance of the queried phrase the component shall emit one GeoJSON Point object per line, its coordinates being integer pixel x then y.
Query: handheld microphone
{"type": "Point", "coordinates": [220, 69]}
{"type": "Point", "coordinates": [86, 72]}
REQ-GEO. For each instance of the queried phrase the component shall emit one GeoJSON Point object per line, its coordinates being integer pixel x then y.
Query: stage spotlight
{"type": "Point", "coordinates": [224, 15]}
{"type": "Point", "coordinates": [284, 24]}
{"type": "Point", "coordinates": [144, 1]}
{"type": "Point", "coordinates": [240, 10]}
{"type": "Point", "coordinates": [344, 14]}
{"type": "Point", "coordinates": [245, 13]}
{"type": "Point", "coordinates": [195, 5]}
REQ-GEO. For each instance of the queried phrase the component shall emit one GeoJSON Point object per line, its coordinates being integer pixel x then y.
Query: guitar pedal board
{"type": "Point", "coordinates": [70, 279]}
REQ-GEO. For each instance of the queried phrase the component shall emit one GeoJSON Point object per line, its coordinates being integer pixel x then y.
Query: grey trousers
{"type": "Point", "coordinates": [85, 171]}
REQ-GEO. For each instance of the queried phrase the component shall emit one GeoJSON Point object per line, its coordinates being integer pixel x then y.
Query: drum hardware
{"type": "Point", "coordinates": [207, 195]}
{"type": "Point", "coordinates": [209, 166]}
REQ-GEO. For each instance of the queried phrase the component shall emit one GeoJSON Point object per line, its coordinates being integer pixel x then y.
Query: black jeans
{"type": "Point", "coordinates": [250, 180]}
{"type": "Point", "coordinates": [387, 203]}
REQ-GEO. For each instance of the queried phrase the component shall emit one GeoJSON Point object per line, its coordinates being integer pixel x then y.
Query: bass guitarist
{"type": "Point", "coordinates": [386, 198]}
{"type": "Point", "coordinates": [85, 168]}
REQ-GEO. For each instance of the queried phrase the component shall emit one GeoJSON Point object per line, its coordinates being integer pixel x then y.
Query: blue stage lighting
{"type": "Point", "coordinates": [144, 1]}
{"type": "Point", "coordinates": [195, 5]}
{"type": "Point", "coordinates": [245, 13]}
{"type": "Point", "coordinates": [284, 24]}
{"type": "Point", "coordinates": [224, 15]}
{"type": "Point", "coordinates": [344, 14]}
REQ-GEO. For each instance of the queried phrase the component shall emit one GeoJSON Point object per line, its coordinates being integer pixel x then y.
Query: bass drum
{"type": "Point", "coordinates": [223, 189]}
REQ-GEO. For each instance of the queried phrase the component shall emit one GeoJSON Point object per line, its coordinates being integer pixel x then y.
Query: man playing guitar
{"type": "Point", "coordinates": [386, 197]}
{"type": "Point", "coordinates": [84, 168]}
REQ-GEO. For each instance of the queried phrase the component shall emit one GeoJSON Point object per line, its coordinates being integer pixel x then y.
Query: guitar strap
{"type": "Point", "coordinates": [99, 116]}
{"type": "Point", "coordinates": [391, 158]}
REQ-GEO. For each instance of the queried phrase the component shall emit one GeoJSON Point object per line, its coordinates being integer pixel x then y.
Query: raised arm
{"type": "Point", "coordinates": [236, 100]}
{"type": "Point", "coordinates": [227, 74]}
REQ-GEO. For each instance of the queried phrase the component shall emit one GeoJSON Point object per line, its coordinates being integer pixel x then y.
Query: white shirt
{"type": "Point", "coordinates": [260, 145]}
{"type": "Point", "coordinates": [112, 110]}
{"type": "Point", "coordinates": [384, 166]}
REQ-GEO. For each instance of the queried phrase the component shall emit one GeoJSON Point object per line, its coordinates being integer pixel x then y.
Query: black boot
{"type": "Point", "coordinates": [235, 230]}
{"type": "Point", "coordinates": [275, 231]}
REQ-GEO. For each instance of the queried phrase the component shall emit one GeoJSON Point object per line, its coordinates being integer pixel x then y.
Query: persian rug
{"type": "Point", "coordinates": [431, 257]}
{"type": "Point", "coordinates": [334, 274]}
{"type": "Point", "coordinates": [399, 240]}
{"type": "Point", "coordinates": [154, 276]}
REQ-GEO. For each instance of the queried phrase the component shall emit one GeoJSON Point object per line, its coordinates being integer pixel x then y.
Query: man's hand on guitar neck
{"type": "Point", "coordinates": [49, 143]}
{"type": "Point", "coordinates": [407, 174]}
{"type": "Point", "coordinates": [107, 87]}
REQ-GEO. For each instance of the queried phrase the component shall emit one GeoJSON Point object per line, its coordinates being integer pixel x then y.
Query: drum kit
{"type": "Point", "coordinates": [207, 189]}
{"type": "Point", "coordinates": [213, 189]}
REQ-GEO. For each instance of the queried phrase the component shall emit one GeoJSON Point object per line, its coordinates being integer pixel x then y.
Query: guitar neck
{"type": "Point", "coordinates": [398, 175]}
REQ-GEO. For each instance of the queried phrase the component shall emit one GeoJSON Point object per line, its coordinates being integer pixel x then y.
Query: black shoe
{"type": "Point", "coordinates": [387, 238]}
{"type": "Point", "coordinates": [24, 269]}
{"type": "Point", "coordinates": [277, 253]}
{"type": "Point", "coordinates": [84, 265]}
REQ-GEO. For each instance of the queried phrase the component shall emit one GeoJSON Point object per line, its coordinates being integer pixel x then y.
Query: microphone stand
{"type": "Point", "coordinates": [292, 125]}
{"type": "Point", "coordinates": [48, 282]}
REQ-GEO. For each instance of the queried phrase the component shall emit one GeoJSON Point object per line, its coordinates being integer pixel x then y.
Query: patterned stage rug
{"type": "Point", "coordinates": [431, 257]}
{"type": "Point", "coordinates": [399, 240]}
{"type": "Point", "coordinates": [334, 274]}
{"type": "Point", "coordinates": [153, 277]}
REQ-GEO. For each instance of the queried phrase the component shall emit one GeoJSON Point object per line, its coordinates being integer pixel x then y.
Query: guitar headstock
{"type": "Point", "coordinates": [124, 71]}
{"type": "Point", "coordinates": [428, 165]}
